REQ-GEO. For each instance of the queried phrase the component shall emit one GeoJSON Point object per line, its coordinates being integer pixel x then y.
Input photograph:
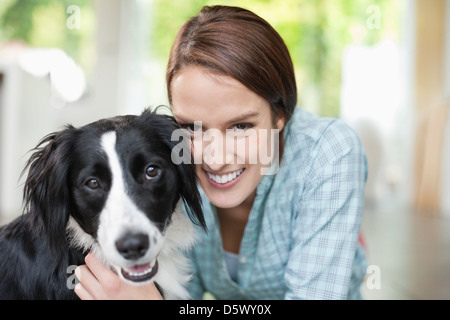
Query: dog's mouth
{"type": "Point", "coordinates": [140, 272]}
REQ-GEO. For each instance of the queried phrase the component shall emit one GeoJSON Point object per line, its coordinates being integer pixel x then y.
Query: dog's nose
{"type": "Point", "coordinates": [133, 246]}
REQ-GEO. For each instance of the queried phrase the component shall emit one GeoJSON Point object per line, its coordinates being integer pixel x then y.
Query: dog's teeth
{"type": "Point", "coordinates": [138, 274]}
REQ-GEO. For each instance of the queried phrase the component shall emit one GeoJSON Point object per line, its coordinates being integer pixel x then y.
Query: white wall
{"type": "Point", "coordinates": [377, 100]}
{"type": "Point", "coordinates": [445, 195]}
{"type": "Point", "coordinates": [22, 103]}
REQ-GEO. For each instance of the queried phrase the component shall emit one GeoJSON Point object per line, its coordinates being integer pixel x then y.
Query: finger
{"type": "Point", "coordinates": [98, 269]}
{"type": "Point", "coordinates": [108, 284]}
{"type": "Point", "coordinates": [82, 293]}
{"type": "Point", "coordinates": [88, 282]}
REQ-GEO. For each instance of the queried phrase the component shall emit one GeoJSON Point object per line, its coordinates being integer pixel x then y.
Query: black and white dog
{"type": "Point", "coordinates": [111, 187]}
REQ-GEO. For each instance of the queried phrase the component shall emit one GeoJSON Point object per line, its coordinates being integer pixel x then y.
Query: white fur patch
{"type": "Point", "coordinates": [120, 215]}
{"type": "Point", "coordinates": [174, 273]}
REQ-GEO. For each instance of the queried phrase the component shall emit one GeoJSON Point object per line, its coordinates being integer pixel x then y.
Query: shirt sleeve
{"type": "Point", "coordinates": [328, 217]}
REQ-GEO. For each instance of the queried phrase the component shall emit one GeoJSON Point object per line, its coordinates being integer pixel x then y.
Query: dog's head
{"type": "Point", "coordinates": [116, 179]}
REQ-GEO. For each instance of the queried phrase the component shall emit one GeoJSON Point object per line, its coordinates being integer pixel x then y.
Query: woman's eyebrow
{"type": "Point", "coordinates": [244, 117]}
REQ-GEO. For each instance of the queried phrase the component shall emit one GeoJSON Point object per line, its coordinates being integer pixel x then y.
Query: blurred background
{"type": "Point", "coordinates": [381, 65]}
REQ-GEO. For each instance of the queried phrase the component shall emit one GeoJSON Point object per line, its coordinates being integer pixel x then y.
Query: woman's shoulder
{"type": "Point", "coordinates": [314, 144]}
{"type": "Point", "coordinates": [307, 132]}
{"type": "Point", "coordinates": [311, 126]}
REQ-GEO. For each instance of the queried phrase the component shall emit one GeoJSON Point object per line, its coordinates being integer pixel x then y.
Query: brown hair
{"type": "Point", "coordinates": [236, 42]}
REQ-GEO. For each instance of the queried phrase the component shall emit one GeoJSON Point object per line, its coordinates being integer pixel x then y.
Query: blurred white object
{"type": "Point", "coordinates": [372, 102]}
{"type": "Point", "coordinates": [66, 77]}
{"type": "Point", "coordinates": [372, 141]}
{"type": "Point", "coordinates": [32, 83]}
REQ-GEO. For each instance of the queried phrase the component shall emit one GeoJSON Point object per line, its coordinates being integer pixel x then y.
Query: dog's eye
{"type": "Point", "coordinates": [151, 172]}
{"type": "Point", "coordinates": [92, 184]}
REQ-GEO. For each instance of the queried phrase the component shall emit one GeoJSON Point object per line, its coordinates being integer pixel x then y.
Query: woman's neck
{"type": "Point", "coordinates": [232, 222]}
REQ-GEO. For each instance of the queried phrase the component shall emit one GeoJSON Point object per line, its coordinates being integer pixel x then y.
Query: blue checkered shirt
{"type": "Point", "coordinates": [301, 238]}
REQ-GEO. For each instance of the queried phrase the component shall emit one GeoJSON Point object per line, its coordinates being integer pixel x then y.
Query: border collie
{"type": "Point", "coordinates": [111, 187]}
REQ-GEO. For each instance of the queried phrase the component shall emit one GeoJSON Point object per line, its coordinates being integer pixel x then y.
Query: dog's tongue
{"type": "Point", "coordinates": [139, 268]}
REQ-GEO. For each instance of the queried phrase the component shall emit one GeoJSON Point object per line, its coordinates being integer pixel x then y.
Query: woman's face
{"type": "Point", "coordinates": [234, 135]}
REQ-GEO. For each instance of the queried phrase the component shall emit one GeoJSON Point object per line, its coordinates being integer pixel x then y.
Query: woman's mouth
{"type": "Point", "coordinates": [224, 180]}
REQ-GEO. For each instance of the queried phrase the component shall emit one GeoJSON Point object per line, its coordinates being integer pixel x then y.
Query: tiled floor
{"type": "Point", "coordinates": [410, 252]}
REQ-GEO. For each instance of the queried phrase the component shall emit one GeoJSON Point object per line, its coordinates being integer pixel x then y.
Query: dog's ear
{"type": "Point", "coordinates": [188, 177]}
{"type": "Point", "coordinates": [166, 126]}
{"type": "Point", "coordinates": [46, 192]}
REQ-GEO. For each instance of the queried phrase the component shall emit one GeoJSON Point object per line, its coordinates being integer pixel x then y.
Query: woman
{"type": "Point", "coordinates": [286, 228]}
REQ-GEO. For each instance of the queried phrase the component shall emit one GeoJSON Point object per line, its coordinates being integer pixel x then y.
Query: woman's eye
{"type": "Point", "coordinates": [93, 184]}
{"type": "Point", "coordinates": [192, 127]}
{"type": "Point", "coordinates": [151, 172]}
{"type": "Point", "coordinates": [242, 126]}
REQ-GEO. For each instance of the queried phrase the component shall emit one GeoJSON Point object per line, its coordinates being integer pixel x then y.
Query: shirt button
{"type": "Point", "coordinates": [243, 260]}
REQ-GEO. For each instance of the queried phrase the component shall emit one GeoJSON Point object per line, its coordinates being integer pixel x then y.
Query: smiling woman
{"type": "Point", "coordinates": [291, 233]}
{"type": "Point", "coordinates": [248, 84]}
{"type": "Point", "coordinates": [237, 110]}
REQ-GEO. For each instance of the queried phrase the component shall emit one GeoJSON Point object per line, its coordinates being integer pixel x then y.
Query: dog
{"type": "Point", "coordinates": [110, 187]}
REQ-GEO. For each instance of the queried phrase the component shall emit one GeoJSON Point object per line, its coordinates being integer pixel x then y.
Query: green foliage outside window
{"type": "Point", "coordinates": [42, 23]}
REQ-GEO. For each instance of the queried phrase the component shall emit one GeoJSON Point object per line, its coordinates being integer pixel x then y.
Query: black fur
{"type": "Point", "coordinates": [34, 249]}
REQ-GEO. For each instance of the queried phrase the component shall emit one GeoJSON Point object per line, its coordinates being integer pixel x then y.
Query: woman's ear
{"type": "Point", "coordinates": [280, 122]}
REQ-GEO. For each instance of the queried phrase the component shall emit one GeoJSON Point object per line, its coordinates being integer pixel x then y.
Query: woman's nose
{"type": "Point", "coordinates": [218, 151]}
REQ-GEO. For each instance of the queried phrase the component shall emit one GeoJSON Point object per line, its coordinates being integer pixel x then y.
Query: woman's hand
{"type": "Point", "coordinates": [97, 282]}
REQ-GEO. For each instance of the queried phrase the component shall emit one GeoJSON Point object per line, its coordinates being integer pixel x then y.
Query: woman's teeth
{"type": "Point", "coordinates": [226, 177]}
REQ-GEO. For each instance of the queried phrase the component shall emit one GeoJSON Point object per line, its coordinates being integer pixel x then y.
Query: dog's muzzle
{"type": "Point", "coordinates": [134, 247]}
